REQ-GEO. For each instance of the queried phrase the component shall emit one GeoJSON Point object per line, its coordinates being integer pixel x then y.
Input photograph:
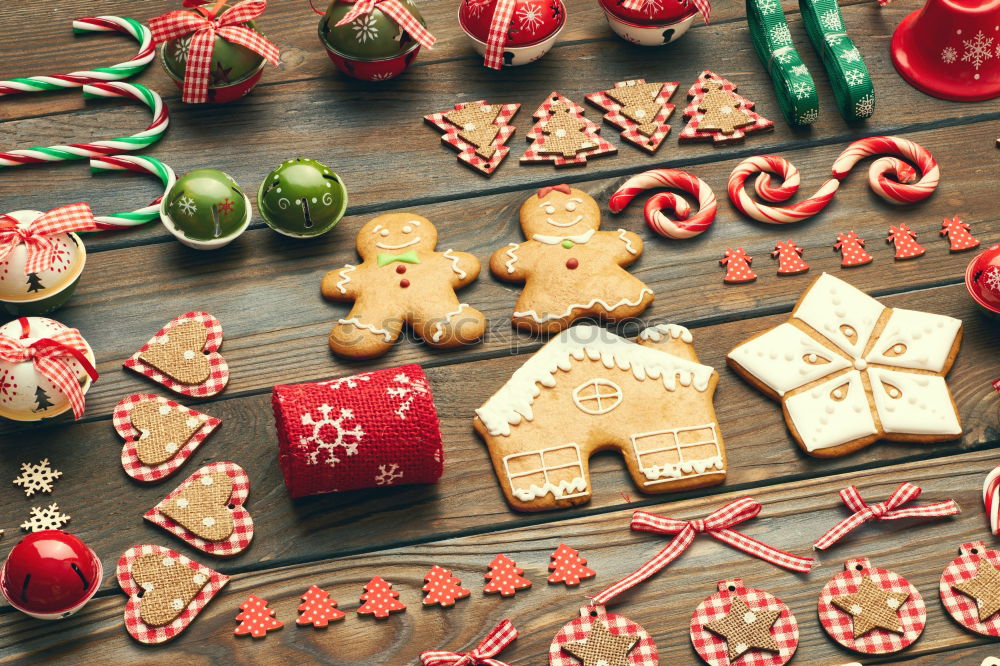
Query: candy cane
{"type": "Point", "coordinates": [123, 70]}
{"type": "Point", "coordinates": [79, 151]}
{"type": "Point", "coordinates": [991, 499]}
{"type": "Point", "coordinates": [684, 226]}
{"type": "Point", "coordinates": [900, 189]}
{"type": "Point", "coordinates": [138, 164]}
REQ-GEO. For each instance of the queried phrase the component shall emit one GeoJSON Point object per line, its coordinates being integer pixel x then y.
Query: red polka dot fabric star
{"type": "Point", "coordinates": [852, 250]}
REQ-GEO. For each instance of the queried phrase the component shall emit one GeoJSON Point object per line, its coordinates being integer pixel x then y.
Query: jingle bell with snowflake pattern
{"type": "Point", "coordinates": [40, 292]}
{"type": "Point", "coordinates": [533, 28]}
{"type": "Point", "coordinates": [372, 47]}
{"type": "Point", "coordinates": [654, 23]}
{"type": "Point", "coordinates": [205, 209]}
{"type": "Point", "coordinates": [982, 279]}
{"type": "Point", "coordinates": [302, 198]}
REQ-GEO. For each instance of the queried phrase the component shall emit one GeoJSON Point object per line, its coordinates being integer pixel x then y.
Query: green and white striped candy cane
{"type": "Point", "coordinates": [793, 85]}
{"type": "Point", "coordinates": [852, 85]}
{"type": "Point", "coordinates": [138, 164]}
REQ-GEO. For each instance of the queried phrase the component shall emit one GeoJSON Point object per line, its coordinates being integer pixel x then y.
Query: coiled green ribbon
{"type": "Point", "coordinates": [852, 85]}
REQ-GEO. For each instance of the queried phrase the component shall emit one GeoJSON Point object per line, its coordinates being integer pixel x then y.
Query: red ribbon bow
{"type": "Point", "coordinates": [398, 13]}
{"type": "Point", "coordinates": [37, 235]}
{"type": "Point", "coordinates": [887, 510]}
{"type": "Point", "coordinates": [704, 6]}
{"type": "Point", "coordinates": [203, 28]}
{"type": "Point", "coordinates": [51, 357]}
{"type": "Point", "coordinates": [495, 642]}
{"type": "Point", "coordinates": [717, 525]}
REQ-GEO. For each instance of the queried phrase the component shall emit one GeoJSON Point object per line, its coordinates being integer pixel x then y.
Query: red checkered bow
{"type": "Point", "coordinates": [36, 237]}
{"type": "Point", "coordinates": [716, 525]}
{"type": "Point", "coordinates": [495, 642]}
{"type": "Point", "coordinates": [51, 358]}
{"type": "Point", "coordinates": [704, 6]}
{"type": "Point", "coordinates": [887, 510]}
{"type": "Point", "coordinates": [398, 13]}
{"type": "Point", "coordinates": [203, 26]}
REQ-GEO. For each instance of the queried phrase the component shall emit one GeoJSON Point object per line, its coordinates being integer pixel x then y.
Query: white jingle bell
{"type": "Point", "coordinates": [41, 292]}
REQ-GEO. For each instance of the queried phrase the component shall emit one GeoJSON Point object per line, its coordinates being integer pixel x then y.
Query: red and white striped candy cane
{"type": "Point", "coordinates": [991, 499]}
{"type": "Point", "coordinates": [900, 189]}
{"type": "Point", "coordinates": [683, 226]}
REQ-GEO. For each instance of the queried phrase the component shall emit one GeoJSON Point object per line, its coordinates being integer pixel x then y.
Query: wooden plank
{"type": "Point", "coordinates": [793, 516]}
{"type": "Point", "coordinates": [759, 448]}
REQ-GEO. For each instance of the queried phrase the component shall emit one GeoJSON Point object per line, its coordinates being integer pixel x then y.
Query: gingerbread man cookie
{"type": "Point", "coordinates": [570, 270]}
{"type": "Point", "coordinates": [402, 280]}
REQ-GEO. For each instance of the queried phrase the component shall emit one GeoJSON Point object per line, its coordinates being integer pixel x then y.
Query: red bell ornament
{"type": "Point", "coordinates": [982, 279]}
{"type": "Point", "coordinates": [949, 49]}
{"type": "Point", "coordinates": [652, 22]}
{"type": "Point", "coordinates": [512, 32]}
{"type": "Point", "coordinates": [50, 575]}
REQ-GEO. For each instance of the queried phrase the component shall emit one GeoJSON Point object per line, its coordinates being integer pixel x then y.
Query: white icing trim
{"type": "Point", "coordinates": [575, 487]}
{"type": "Point", "coordinates": [383, 246]}
{"type": "Point", "coordinates": [513, 257]}
{"type": "Point", "coordinates": [920, 406]}
{"type": "Point", "coordinates": [584, 342]}
{"type": "Point", "coordinates": [344, 279]}
{"type": "Point", "coordinates": [675, 331]}
{"type": "Point", "coordinates": [555, 240]}
{"type": "Point", "coordinates": [448, 254]}
{"type": "Point", "coordinates": [823, 422]}
{"type": "Point", "coordinates": [354, 321]}
{"type": "Point", "coordinates": [597, 397]}
{"type": "Point", "coordinates": [628, 242]}
{"type": "Point", "coordinates": [439, 326]}
{"type": "Point", "coordinates": [830, 304]}
{"type": "Point", "coordinates": [586, 306]}
{"type": "Point", "coordinates": [927, 340]}
{"type": "Point", "coordinates": [683, 468]}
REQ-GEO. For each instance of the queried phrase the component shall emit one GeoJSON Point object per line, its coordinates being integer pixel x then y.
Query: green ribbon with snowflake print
{"type": "Point", "coordinates": [852, 85]}
{"type": "Point", "coordinates": [793, 85]}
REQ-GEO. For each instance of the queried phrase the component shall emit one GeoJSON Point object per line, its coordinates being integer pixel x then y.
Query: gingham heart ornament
{"type": "Point", "coordinates": [970, 588]}
{"type": "Point", "coordinates": [184, 356]}
{"type": "Point", "coordinates": [166, 591]}
{"type": "Point", "coordinates": [206, 511]}
{"type": "Point", "coordinates": [160, 435]}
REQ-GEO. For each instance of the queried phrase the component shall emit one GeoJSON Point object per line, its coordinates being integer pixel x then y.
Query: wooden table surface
{"type": "Point", "coordinates": [265, 290]}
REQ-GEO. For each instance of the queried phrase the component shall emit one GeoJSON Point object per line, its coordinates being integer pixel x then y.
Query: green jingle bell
{"type": "Point", "coordinates": [231, 63]}
{"type": "Point", "coordinates": [302, 198]}
{"type": "Point", "coordinates": [205, 209]}
{"type": "Point", "coordinates": [373, 36]}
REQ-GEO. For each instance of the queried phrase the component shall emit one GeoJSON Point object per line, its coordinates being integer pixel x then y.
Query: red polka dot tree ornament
{"type": "Point", "coordinates": [852, 250]}
{"type": "Point", "coordinates": [871, 610]}
{"type": "Point", "coordinates": [970, 589]}
{"type": "Point", "coordinates": [737, 263]}
{"type": "Point", "coordinates": [743, 624]}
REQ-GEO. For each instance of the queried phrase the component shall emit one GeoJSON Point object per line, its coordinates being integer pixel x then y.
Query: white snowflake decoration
{"type": "Point", "coordinates": [330, 434]}
{"type": "Point", "coordinates": [783, 56]}
{"type": "Point", "coordinates": [992, 279]}
{"type": "Point", "coordinates": [865, 106]}
{"type": "Point", "coordinates": [37, 478]}
{"type": "Point", "coordinates": [854, 77]}
{"type": "Point", "coordinates": [45, 519]}
{"type": "Point", "coordinates": [651, 7]}
{"type": "Point", "coordinates": [187, 205]}
{"type": "Point", "coordinates": [977, 50]}
{"type": "Point", "coordinates": [767, 6]}
{"type": "Point", "coordinates": [834, 40]}
{"type": "Point", "coordinates": [476, 7]}
{"type": "Point", "coordinates": [406, 392]}
{"type": "Point", "coordinates": [949, 55]}
{"type": "Point", "coordinates": [800, 70]}
{"type": "Point", "coordinates": [347, 382]}
{"type": "Point", "coordinates": [851, 55]}
{"type": "Point", "coordinates": [801, 89]}
{"type": "Point", "coordinates": [830, 20]}
{"type": "Point", "coordinates": [382, 76]}
{"type": "Point", "coordinates": [365, 28]}
{"type": "Point", "coordinates": [780, 34]}
{"type": "Point", "coordinates": [530, 17]}
{"type": "Point", "coordinates": [182, 49]}
{"type": "Point", "coordinates": [388, 474]}
{"type": "Point", "coordinates": [809, 117]}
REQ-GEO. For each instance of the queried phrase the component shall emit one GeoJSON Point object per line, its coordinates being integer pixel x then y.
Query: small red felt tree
{"type": "Point", "coordinates": [905, 240]}
{"type": "Point", "coordinates": [959, 234]}
{"type": "Point", "coordinates": [789, 258]}
{"type": "Point", "coordinates": [318, 608]}
{"type": "Point", "coordinates": [442, 587]}
{"type": "Point", "coordinates": [852, 250]}
{"type": "Point", "coordinates": [505, 577]}
{"type": "Point", "coordinates": [256, 619]}
{"type": "Point", "coordinates": [568, 567]}
{"type": "Point", "coordinates": [380, 599]}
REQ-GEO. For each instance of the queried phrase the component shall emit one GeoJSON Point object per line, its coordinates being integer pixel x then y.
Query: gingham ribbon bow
{"type": "Point", "coordinates": [704, 6]}
{"type": "Point", "coordinates": [37, 236]}
{"type": "Point", "coordinates": [51, 357]}
{"type": "Point", "coordinates": [203, 28]}
{"type": "Point", "coordinates": [717, 525]}
{"type": "Point", "coordinates": [502, 635]}
{"type": "Point", "coordinates": [398, 13]}
{"type": "Point", "coordinates": [887, 510]}
{"type": "Point", "coordinates": [497, 37]}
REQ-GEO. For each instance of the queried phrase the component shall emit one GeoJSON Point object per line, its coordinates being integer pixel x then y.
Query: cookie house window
{"type": "Point", "coordinates": [597, 396]}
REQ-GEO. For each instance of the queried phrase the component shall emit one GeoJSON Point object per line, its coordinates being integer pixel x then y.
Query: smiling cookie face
{"type": "Point", "coordinates": [396, 233]}
{"type": "Point", "coordinates": [559, 211]}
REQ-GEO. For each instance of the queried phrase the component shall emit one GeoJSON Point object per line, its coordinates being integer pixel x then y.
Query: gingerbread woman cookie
{"type": "Point", "coordinates": [570, 270]}
{"type": "Point", "coordinates": [402, 280]}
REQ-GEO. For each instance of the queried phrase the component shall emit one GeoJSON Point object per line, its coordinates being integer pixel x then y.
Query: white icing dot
{"type": "Point", "coordinates": [164, 410]}
{"type": "Point", "coordinates": [860, 364]}
{"type": "Point", "coordinates": [177, 604]}
{"type": "Point", "coordinates": [560, 132]}
{"type": "Point", "coordinates": [171, 447]}
{"type": "Point", "coordinates": [188, 355]}
{"type": "Point", "coordinates": [856, 609]}
{"type": "Point", "coordinates": [148, 586]}
{"type": "Point", "coordinates": [182, 502]}
{"type": "Point", "coordinates": [811, 358]}
{"type": "Point", "coordinates": [208, 521]}
{"type": "Point", "coordinates": [199, 579]}
{"type": "Point", "coordinates": [749, 617]}
{"type": "Point", "coordinates": [192, 421]}
{"type": "Point", "coordinates": [742, 647]}
{"type": "Point", "coordinates": [892, 603]}
{"type": "Point", "coordinates": [207, 480]}
{"type": "Point", "coordinates": [384, 233]}
{"type": "Point", "coordinates": [167, 562]}
{"type": "Point", "coordinates": [407, 229]}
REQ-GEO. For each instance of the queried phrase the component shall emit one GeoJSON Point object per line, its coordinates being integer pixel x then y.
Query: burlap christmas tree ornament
{"type": "Point", "coordinates": [639, 104]}
{"type": "Point", "coordinates": [722, 110]}
{"type": "Point", "coordinates": [565, 133]}
{"type": "Point", "coordinates": [476, 127]}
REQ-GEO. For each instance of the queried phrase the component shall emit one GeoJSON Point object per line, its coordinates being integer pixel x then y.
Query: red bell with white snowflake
{"type": "Point", "coordinates": [982, 279]}
{"type": "Point", "coordinates": [50, 575]}
{"type": "Point", "coordinates": [525, 29]}
{"type": "Point", "coordinates": [652, 22]}
{"type": "Point", "coordinates": [372, 429]}
{"type": "Point", "coordinates": [970, 589]}
{"type": "Point", "coordinates": [949, 49]}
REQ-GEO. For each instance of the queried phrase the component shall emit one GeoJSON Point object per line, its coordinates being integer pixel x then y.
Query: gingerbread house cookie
{"type": "Point", "coordinates": [589, 390]}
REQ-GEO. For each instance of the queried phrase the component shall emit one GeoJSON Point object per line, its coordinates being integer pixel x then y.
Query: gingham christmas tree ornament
{"type": "Point", "coordinates": [871, 610]}
{"type": "Point", "coordinates": [745, 626]}
{"type": "Point", "coordinates": [970, 588]}
{"type": "Point", "coordinates": [598, 636]}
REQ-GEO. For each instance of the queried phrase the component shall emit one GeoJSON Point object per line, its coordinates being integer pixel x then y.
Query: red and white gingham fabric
{"type": "Point", "coordinates": [537, 137]}
{"type": "Point", "coordinates": [694, 116]}
{"type": "Point", "coordinates": [887, 510]}
{"type": "Point", "coordinates": [242, 522]}
{"type": "Point", "coordinates": [138, 629]}
{"type": "Point", "coordinates": [629, 128]}
{"type": "Point", "coordinates": [36, 236]}
{"type": "Point", "coordinates": [713, 649]}
{"type": "Point", "coordinates": [963, 607]}
{"type": "Point", "coordinates": [398, 13]}
{"type": "Point", "coordinates": [495, 642]}
{"type": "Point", "coordinates": [503, 10]}
{"type": "Point", "coordinates": [704, 6]}
{"type": "Point", "coordinates": [840, 625]}
{"type": "Point", "coordinates": [219, 375]}
{"type": "Point", "coordinates": [229, 25]}
{"type": "Point", "coordinates": [122, 419]}
{"type": "Point", "coordinates": [642, 654]}
{"type": "Point", "coordinates": [466, 151]}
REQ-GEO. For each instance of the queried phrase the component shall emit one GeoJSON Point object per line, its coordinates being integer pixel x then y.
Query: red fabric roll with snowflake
{"type": "Point", "coordinates": [372, 429]}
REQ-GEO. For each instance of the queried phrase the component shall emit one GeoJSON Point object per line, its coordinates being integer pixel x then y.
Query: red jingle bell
{"type": "Point", "coordinates": [531, 29]}
{"type": "Point", "coordinates": [50, 575]}
{"type": "Point", "coordinates": [982, 279]}
{"type": "Point", "coordinates": [650, 22]}
{"type": "Point", "coordinates": [948, 49]}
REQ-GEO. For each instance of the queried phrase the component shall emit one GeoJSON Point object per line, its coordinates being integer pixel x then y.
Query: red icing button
{"type": "Point", "coordinates": [404, 283]}
{"type": "Point", "coordinates": [572, 263]}
{"type": "Point", "coordinates": [401, 269]}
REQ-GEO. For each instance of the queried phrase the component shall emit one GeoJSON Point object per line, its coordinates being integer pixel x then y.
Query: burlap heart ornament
{"type": "Point", "coordinates": [183, 356]}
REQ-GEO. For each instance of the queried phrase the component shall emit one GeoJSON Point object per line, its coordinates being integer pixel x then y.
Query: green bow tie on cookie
{"type": "Point", "coordinates": [406, 258]}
